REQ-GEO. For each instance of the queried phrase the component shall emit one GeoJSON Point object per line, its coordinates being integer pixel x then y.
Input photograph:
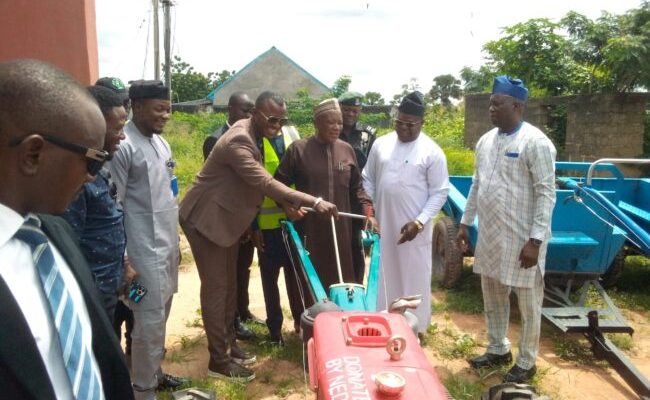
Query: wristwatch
{"type": "Point", "coordinates": [536, 242]}
{"type": "Point", "coordinates": [419, 225]}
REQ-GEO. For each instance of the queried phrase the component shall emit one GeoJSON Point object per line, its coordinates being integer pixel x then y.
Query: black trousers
{"type": "Point", "coordinates": [271, 260]}
{"type": "Point", "coordinates": [123, 314]}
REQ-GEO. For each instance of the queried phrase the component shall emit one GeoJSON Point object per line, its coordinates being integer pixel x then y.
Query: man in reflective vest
{"type": "Point", "coordinates": [271, 251]}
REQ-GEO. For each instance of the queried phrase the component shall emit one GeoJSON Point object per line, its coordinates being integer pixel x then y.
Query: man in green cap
{"type": "Point", "coordinates": [361, 137]}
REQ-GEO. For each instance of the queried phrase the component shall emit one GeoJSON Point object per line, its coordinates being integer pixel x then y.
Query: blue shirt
{"type": "Point", "coordinates": [98, 222]}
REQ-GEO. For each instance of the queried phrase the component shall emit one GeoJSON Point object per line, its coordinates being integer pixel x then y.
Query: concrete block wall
{"type": "Point", "coordinates": [598, 125]}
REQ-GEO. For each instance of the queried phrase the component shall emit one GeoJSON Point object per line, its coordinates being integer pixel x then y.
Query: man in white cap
{"type": "Point", "coordinates": [513, 195]}
{"type": "Point", "coordinates": [324, 165]}
{"type": "Point", "coordinates": [406, 176]}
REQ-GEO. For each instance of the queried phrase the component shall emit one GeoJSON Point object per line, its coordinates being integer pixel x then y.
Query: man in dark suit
{"type": "Point", "coordinates": [219, 207]}
{"type": "Point", "coordinates": [51, 133]}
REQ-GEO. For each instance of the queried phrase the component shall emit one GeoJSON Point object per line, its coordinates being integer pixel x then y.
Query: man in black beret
{"type": "Point", "coordinates": [143, 170]}
{"type": "Point", "coordinates": [406, 176]}
{"type": "Point", "coordinates": [361, 137]}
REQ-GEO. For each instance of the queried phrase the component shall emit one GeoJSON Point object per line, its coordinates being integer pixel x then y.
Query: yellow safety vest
{"type": "Point", "coordinates": [270, 214]}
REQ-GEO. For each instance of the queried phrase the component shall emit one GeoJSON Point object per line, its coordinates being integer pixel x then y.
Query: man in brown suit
{"type": "Point", "coordinates": [220, 206]}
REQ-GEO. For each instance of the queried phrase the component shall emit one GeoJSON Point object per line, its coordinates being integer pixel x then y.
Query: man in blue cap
{"type": "Point", "coordinates": [513, 196]}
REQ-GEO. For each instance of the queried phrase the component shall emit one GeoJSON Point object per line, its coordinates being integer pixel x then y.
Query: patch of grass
{"type": "Point", "coordinates": [450, 344]}
{"type": "Point", "coordinates": [196, 322]}
{"type": "Point", "coordinates": [460, 161]}
{"type": "Point", "coordinates": [623, 341]}
{"type": "Point", "coordinates": [461, 388]}
{"type": "Point", "coordinates": [188, 342]}
{"type": "Point", "coordinates": [466, 298]}
{"type": "Point", "coordinates": [631, 290]}
{"type": "Point", "coordinates": [292, 350]}
{"type": "Point", "coordinates": [569, 348]}
{"type": "Point", "coordinates": [284, 387]}
{"type": "Point", "coordinates": [185, 134]}
{"type": "Point", "coordinates": [186, 345]}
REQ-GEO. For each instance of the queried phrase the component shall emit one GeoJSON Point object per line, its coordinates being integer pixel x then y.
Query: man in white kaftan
{"type": "Point", "coordinates": [142, 169]}
{"type": "Point", "coordinates": [513, 195]}
{"type": "Point", "coordinates": [406, 177]}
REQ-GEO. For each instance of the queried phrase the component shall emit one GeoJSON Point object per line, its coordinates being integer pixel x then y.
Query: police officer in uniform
{"type": "Point", "coordinates": [361, 137]}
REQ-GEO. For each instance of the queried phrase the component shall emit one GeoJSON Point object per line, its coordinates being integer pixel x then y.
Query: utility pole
{"type": "Point", "coordinates": [167, 43]}
{"type": "Point", "coordinates": [156, 42]}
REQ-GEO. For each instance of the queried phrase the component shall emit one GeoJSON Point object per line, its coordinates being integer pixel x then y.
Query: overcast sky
{"type": "Point", "coordinates": [380, 44]}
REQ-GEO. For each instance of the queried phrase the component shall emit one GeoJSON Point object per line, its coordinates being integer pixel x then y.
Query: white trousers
{"type": "Point", "coordinates": [497, 313]}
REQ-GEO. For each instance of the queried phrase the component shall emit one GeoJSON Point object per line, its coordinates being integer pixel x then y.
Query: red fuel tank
{"type": "Point", "coordinates": [363, 356]}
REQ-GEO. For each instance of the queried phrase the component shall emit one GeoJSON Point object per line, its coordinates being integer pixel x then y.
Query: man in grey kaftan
{"type": "Point", "coordinates": [143, 169]}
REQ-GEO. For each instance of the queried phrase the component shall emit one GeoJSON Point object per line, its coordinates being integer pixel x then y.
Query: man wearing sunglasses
{"type": "Point", "coordinates": [95, 215]}
{"type": "Point", "coordinates": [406, 176]}
{"type": "Point", "coordinates": [226, 196]}
{"type": "Point", "coordinates": [239, 107]}
{"type": "Point", "coordinates": [51, 133]}
{"type": "Point", "coordinates": [142, 168]}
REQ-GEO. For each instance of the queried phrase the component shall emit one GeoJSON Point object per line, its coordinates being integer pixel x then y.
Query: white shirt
{"type": "Point", "coordinates": [512, 194]}
{"type": "Point", "coordinates": [18, 271]}
{"type": "Point", "coordinates": [407, 181]}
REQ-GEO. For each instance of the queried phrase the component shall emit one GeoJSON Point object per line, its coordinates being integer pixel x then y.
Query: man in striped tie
{"type": "Point", "coordinates": [55, 339]}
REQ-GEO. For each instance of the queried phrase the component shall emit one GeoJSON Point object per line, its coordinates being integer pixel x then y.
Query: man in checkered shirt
{"type": "Point", "coordinates": [513, 195]}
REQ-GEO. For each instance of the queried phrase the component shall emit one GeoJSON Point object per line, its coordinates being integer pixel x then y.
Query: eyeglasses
{"type": "Point", "coordinates": [409, 125]}
{"type": "Point", "coordinates": [273, 120]}
{"type": "Point", "coordinates": [95, 158]}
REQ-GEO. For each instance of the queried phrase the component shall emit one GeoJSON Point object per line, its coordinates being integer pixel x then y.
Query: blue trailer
{"type": "Point", "coordinates": [596, 222]}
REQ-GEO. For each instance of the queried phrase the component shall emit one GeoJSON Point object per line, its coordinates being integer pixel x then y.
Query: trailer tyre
{"type": "Point", "coordinates": [446, 258]}
{"type": "Point", "coordinates": [512, 391]}
{"type": "Point", "coordinates": [615, 270]}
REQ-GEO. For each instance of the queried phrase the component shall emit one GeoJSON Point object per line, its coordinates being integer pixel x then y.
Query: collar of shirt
{"type": "Point", "coordinates": [10, 222]}
{"type": "Point", "coordinates": [514, 131]}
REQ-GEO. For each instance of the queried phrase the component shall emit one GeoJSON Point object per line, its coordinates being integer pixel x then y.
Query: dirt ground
{"type": "Point", "coordinates": [279, 379]}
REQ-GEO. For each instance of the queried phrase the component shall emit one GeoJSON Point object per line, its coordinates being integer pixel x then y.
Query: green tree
{"type": "Point", "coordinates": [188, 84]}
{"type": "Point", "coordinates": [341, 85]}
{"type": "Point", "coordinates": [445, 88]}
{"type": "Point", "coordinates": [373, 99]}
{"type": "Point", "coordinates": [534, 52]}
{"type": "Point", "coordinates": [477, 81]}
{"type": "Point", "coordinates": [575, 55]}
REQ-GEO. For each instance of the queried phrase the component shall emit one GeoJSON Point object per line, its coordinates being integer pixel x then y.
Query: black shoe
{"type": "Point", "coordinates": [519, 375]}
{"type": "Point", "coordinates": [170, 382]}
{"type": "Point", "coordinates": [242, 357]}
{"type": "Point", "coordinates": [489, 360]}
{"type": "Point", "coordinates": [242, 332]}
{"type": "Point", "coordinates": [249, 317]}
{"type": "Point", "coordinates": [232, 372]}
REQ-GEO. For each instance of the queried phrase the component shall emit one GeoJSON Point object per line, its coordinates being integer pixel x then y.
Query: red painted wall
{"type": "Point", "coordinates": [62, 32]}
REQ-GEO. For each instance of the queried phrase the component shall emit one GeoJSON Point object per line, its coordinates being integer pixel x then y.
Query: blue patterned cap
{"type": "Point", "coordinates": [510, 86]}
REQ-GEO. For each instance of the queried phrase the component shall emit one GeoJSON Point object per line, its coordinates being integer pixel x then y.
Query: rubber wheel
{"type": "Point", "coordinates": [512, 391]}
{"type": "Point", "coordinates": [615, 270]}
{"type": "Point", "coordinates": [447, 260]}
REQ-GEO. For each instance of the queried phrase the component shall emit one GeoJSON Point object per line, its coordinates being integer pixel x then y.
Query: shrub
{"type": "Point", "coordinates": [185, 134]}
